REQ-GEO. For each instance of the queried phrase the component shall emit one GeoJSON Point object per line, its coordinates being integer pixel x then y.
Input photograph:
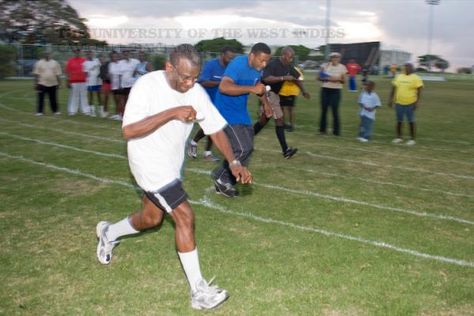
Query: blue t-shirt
{"type": "Point", "coordinates": [212, 71]}
{"type": "Point", "coordinates": [234, 108]}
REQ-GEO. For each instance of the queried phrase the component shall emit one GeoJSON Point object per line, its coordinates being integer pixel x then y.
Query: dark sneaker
{"type": "Point", "coordinates": [225, 189]}
{"type": "Point", "coordinates": [290, 152]}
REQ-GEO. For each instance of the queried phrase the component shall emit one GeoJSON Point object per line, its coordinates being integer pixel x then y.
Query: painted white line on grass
{"type": "Point", "coordinates": [374, 164]}
{"type": "Point", "coordinates": [389, 143]}
{"type": "Point", "coordinates": [205, 202]}
{"type": "Point", "coordinates": [352, 201]}
{"type": "Point", "coordinates": [62, 120]}
{"type": "Point", "coordinates": [98, 153]}
{"type": "Point", "coordinates": [308, 193]}
{"type": "Point", "coordinates": [82, 135]}
{"type": "Point", "coordinates": [464, 263]}
{"type": "Point", "coordinates": [308, 170]}
{"type": "Point", "coordinates": [413, 188]}
{"type": "Point", "coordinates": [345, 147]}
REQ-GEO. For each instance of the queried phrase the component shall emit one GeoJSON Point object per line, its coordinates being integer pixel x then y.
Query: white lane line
{"type": "Point", "coordinates": [351, 201]}
{"type": "Point", "coordinates": [374, 164]}
{"type": "Point", "coordinates": [308, 170]}
{"type": "Point", "coordinates": [205, 202]}
{"type": "Point", "coordinates": [98, 153]}
{"type": "Point", "coordinates": [460, 262]}
{"type": "Point", "coordinates": [82, 135]}
{"type": "Point", "coordinates": [268, 186]}
{"type": "Point", "coordinates": [382, 182]}
{"type": "Point", "coordinates": [62, 120]}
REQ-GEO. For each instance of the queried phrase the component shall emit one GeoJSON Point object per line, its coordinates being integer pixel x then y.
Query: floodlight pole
{"type": "Point", "coordinates": [431, 3]}
{"type": "Point", "coordinates": [328, 26]}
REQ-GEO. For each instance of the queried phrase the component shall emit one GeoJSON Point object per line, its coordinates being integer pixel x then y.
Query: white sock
{"type": "Point", "coordinates": [193, 142]}
{"type": "Point", "coordinates": [120, 229]}
{"type": "Point", "coordinates": [190, 263]}
{"type": "Point", "coordinates": [207, 153]}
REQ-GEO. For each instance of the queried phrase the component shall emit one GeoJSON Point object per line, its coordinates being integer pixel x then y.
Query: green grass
{"type": "Point", "coordinates": [305, 239]}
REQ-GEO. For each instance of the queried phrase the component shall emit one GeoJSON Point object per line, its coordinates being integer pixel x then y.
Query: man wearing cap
{"type": "Point", "coordinates": [333, 76]}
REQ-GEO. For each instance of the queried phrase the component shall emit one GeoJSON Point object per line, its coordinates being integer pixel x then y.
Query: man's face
{"type": "Point", "coordinates": [77, 53]}
{"type": "Point", "coordinates": [126, 54]}
{"type": "Point", "coordinates": [259, 60]}
{"type": "Point", "coordinates": [227, 57]}
{"type": "Point", "coordinates": [89, 55]}
{"type": "Point", "coordinates": [408, 69]}
{"type": "Point", "coordinates": [114, 57]}
{"type": "Point", "coordinates": [287, 57]}
{"type": "Point", "coordinates": [183, 75]}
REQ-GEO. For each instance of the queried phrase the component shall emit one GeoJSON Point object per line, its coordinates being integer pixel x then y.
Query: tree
{"type": "Point", "coordinates": [216, 45]}
{"type": "Point", "coordinates": [435, 60]}
{"type": "Point", "coordinates": [7, 61]}
{"type": "Point", "coordinates": [41, 22]}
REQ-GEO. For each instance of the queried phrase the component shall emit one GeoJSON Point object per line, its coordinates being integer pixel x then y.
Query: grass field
{"type": "Point", "coordinates": [341, 229]}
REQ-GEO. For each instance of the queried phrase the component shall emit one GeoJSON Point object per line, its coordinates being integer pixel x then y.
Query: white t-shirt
{"type": "Point", "coordinates": [127, 69]}
{"type": "Point", "coordinates": [114, 72]}
{"type": "Point", "coordinates": [334, 71]}
{"type": "Point", "coordinates": [92, 69]}
{"type": "Point", "coordinates": [157, 158]}
{"type": "Point", "coordinates": [371, 100]}
{"type": "Point", "coordinates": [47, 71]}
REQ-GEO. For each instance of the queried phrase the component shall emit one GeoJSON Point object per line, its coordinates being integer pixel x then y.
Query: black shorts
{"type": "Point", "coordinates": [168, 197]}
{"type": "Point", "coordinates": [287, 100]}
{"type": "Point", "coordinates": [122, 91]}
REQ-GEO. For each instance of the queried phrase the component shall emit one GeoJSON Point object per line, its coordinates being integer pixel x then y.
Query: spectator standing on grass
{"type": "Point", "coordinates": [275, 74]}
{"type": "Point", "coordinates": [143, 66]}
{"type": "Point", "coordinates": [104, 75]}
{"type": "Point", "coordinates": [210, 79]}
{"type": "Point", "coordinates": [241, 77]}
{"type": "Point", "coordinates": [92, 70]}
{"type": "Point", "coordinates": [127, 66]}
{"type": "Point", "coordinates": [333, 76]}
{"type": "Point", "coordinates": [406, 93]}
{"type": "Point", "coordinates": [353, 69]}
{"type": "Point", "coordinates": [115, 76]}
{"type": "Point", "coordinates": [46, 72]}
{"type": "Point", "coordinates": [158, 119]}
{"type": "Point", "coordinates": [368, 102]}
{"type": "Point", "coordinates": [289, 91]}
{"type": "Point", "coordinates": [77, 84]}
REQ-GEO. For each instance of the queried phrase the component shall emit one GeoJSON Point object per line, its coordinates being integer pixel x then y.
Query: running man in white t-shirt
{"type": "Point", "coordinates": [159, 117]}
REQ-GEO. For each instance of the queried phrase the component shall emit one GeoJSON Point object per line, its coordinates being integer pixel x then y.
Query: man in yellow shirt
{"type": "Point", "coordinates": [406, 92]}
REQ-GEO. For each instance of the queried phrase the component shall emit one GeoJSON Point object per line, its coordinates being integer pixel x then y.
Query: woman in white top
{"type": "Point", "coordinates": [333, 76]}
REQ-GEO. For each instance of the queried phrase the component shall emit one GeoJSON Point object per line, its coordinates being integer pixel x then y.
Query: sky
{"type": "Point", "coordinates": [398, 24]}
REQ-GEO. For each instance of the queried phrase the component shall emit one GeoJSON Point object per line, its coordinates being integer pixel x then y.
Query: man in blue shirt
{"type": "Point", "coordinates": [241, 78]}
{"type": "Point", "coordinates": [210, 78]}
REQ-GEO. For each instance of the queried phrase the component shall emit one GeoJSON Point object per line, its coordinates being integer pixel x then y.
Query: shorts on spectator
{"type": "Point", "coordinates": [94, 88]}
{"type": "Point", "coordinates": [405, 110]}
{"type": "Point", "coordinates": [287, 100]}
{"type": "Point", "coordinates": [122, 91]}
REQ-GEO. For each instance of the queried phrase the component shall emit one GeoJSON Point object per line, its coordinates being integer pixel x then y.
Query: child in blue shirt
{"type": "Point", "coordinates": [368, 102]}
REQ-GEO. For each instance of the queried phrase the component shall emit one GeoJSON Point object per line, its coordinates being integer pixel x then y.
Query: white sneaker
{"type": "Point", "coordinates": [104, 246]}
{"type": "Point", "coordinates": [397, 141]}
{"type": "Point", "coordinates": [192, 150]}
{"type": "Point", "coordinates": [362, 139]}
{"type": "Point", "coordinates": [411, 142]}
{"type": "Point", "coordinates": [210, 157]}
{"type": "Point", "coordinates": [207, 296]}
{"type": "Point", "coordinates": [39, 114]}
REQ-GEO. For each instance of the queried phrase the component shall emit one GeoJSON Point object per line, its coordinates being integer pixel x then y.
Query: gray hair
{"type": "Point", "coordinates": [186, 51]}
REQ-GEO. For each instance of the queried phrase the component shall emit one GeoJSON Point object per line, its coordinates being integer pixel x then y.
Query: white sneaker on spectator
{"type": "Point", "coordinates": [411, 142]}
{"type": "Point", "coordinates": [363, 140]}
{"type": "Point", "coordinates": [397, 141]}
{"type": "Point", "coordinates": [39, 114]}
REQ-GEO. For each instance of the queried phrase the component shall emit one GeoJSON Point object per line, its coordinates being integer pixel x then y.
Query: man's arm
{"type": "Point", "coordinates": [184, 113]}
{"type": "Point", "coordinates": [240, 172]}
{"type": "Point", "coordinates": [418, 95]}
{"type": "Point", "coordinates": [275, 79]}
{"type": "Point", "coordinates": [228, 87]}
{"type": "Point", "coordinates": [300, 84]}
{"type": "Point", "coordinates": [209, 83]}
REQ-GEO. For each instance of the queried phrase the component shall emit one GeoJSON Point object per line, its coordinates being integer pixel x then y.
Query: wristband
{"type": "Point", "coordinates": [234, 163]}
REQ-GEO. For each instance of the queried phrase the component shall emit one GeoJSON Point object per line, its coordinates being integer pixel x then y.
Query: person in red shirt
{"type": "Point", "coordinates": [77, 84]}
{"type": "Point", "coordinates": [353, 69]}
